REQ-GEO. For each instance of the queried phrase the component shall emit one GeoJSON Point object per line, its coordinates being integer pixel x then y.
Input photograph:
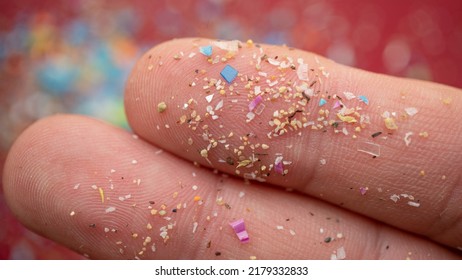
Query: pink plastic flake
{"type": "Point", "coordinates": [239, 228]}
{"type": "Point", "coordinates": [255, 102]}
{"type": "Point", "coordinates": [337, 105]}
{"type": "Point", "coordinates": [278, 166]}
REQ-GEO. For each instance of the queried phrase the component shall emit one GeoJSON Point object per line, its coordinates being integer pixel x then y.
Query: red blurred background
{"type": "Point", "coordinates": [74, 56]}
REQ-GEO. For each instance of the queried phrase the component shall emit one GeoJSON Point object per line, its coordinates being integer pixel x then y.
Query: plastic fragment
{"type": "Point", "coordinates": [348, 95]}
{"type": "Point", "coordinates": [209, 98]}
{"type": "Point", "coordinates": [206, 50]}
{"type": "Point", "coordinates": [239, 228]}
{"type": "Point", "coordinates": [161, 107]}
{"type": "Point", "coordinates": [322, 102]}
{"type": "Point", "coordinates": [255, 102]}
{"type": "Point", "coordinates": [302, 72]}
{"type": "Point", "coordinates": [231, 46]}
{"type": "Point", "coordinates": [278, 167]}
{"type": "Point", "coordinates": [364, 99]}
{"type": "Point", "coordinates": [411, 111]}
{"type": "Point", "coordinates": [337, 104]}
{"type": "Point", "coordinates": [407, 138]}
{"type": "Point", "coordinates": [229, 73]}
{"type": "Point", "coordinates": [390, 124]}
{"type": "Point", "coordinates": [369, 148]}
{"type": "Point", "coordinates": [341, 253]}
{"type": "Point", "coordinates": [413, 203]}
{"type": "Point", "coordinates": [347, 119]}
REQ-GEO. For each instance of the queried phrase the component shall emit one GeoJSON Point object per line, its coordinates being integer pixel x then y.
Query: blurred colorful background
{"type": "Point", "coordinates": [74, 56]}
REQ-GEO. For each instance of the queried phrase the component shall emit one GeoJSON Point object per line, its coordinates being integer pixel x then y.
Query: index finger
{"type": "Point", "coordinates": [384, 147]}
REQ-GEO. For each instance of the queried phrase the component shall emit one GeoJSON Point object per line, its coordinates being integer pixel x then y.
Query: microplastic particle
{"type": "Point", "coordinates": [341, 253]}
{"type": "Point", "coordinates": [110, 209]}
{"type": "Point", "coordinates": [413, 203]}
{"type": "Point", "coordinates": [337, 104]}
{"type": "Point", "coordinates": [362, 190]}
{"type": "Point", "coordinates": [195, 224]}
{"type": "Point", "coordinates": [209, 98]}
{"type": "Point", "coordinates": [349, 95]}
{"type": "Point", "coordinates": [394, 197]}
{"type": "Point", "coordinates": [322, 102]}
{"type": "Point", "coordinates": [407, 138]}
{"type": "Point", "coordinates": [376, 134]}
{"type": "Point", "coordinates": [231, 46]}
{"type": "Point", "coordinates": [390, 123]}
{"type": "Point", "coordinates": [101, 193]}
{"type": "Point", "coordinates": [239, 228]}
{"type": "Point", "coordinates": [206, 50]}
{"type": "Point", "coordinates": [364, 99]}
{"type": "Point", "coordinates": [255, 102]}
{"type": "Point", "coordinates": [369, 148]}
{"type": "Point", "coordinates": [229, 73]}
{"type": "Point", "coordinates": [411, 111]}
{"type": "Point", "coordinates": [302, 72]}
{"type": "Point", "coordinates": [259, 108]}
{"type": "Point", "coordinates": [161, 107]}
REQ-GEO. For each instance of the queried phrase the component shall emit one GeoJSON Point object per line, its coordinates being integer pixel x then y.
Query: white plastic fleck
{"type": "Point", "coordinates": [348, 95]}
{"type": "Point", "coordinates": [110, 209]}
{"type": "Point", "coordinates": [413, 203]}
{"type": "Point", "coordinates": [209, 98]}
{"type": "Point", "coordinates": [302, 72]}
{"type": "Point", "coordinates": [341, 253]}
{"type": "Point", "coordinates": [219, 105]}
{"type": "Point", "coordinates": [250, 116]}
{"type": "Point", "coordinates": [394, 197]}
{"type": "Point", "coordinates": [232, 46]}
{"type": "Point", "coordinates": [411, 111]}
{"type": "Point", "coordinates": [195, 224]}
{"type": "Point", "coordinates": [407, 138]}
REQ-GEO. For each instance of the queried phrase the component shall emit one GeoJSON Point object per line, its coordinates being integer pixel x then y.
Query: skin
{"type": "Point", "coordinates": [58, 152]}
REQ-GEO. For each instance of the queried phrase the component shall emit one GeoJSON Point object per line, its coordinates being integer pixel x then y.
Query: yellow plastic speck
{"type": "Point", "coordinates": [390, 123]}
{"type": "Point", "coordinates": [101, 193]}
{"type": "Point", "coordinates": [161, 107]}
{"type": "Point", "coordinates": [347, 119]}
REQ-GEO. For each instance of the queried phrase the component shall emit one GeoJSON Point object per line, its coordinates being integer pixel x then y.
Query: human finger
{"type": "Point", "coordinates": [385, 147]}
{"type": "Point", "coordinates": [99, 191]}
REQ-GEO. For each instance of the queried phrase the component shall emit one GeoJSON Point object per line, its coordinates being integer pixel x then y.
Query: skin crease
{"type": "Point", "coordinates": [55, 154]}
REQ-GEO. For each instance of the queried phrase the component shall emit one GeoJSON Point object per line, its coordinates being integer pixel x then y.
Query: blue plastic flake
{"type": "Point", "coordinates": [206, 50]}
{"type": "Point", "coordinates": [322, 102]}
{"type": "Point", "coordinates": [364, 99]}
{"type": "Point", "coordinates": [229, 73]}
